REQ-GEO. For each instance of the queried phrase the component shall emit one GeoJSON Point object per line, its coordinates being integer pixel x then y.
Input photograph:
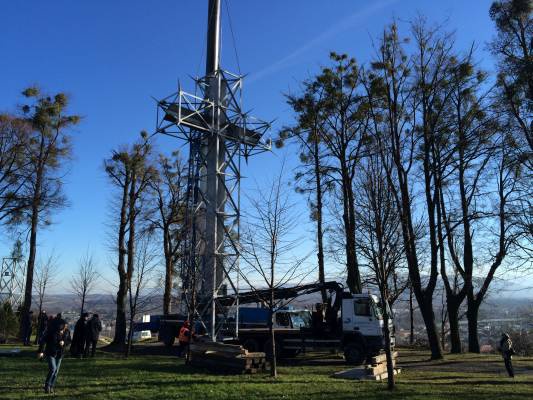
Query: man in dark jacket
{"type": "Point", "coordinates": [51, 346]}
{"type": "Point", "coordinates": [26, 331]}
{"type": "Point", "coordinates": [94, 327]}
{"type": "Point", "coordinates": [41, 326]}
{"type": "Point", "coordinates": [80, 333]}
{"type": "Point", "coordinates": [506, 348]}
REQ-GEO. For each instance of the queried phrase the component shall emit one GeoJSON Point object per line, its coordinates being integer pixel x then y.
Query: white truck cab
{"type": "Point", "coordinates": [362, 324]}
{"type": "Point", "coordinates": [362, 313]}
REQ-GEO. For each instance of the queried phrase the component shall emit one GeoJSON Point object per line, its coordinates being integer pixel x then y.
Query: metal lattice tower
{"type": "Point", "coordinates": [12, 279]}
{"type": "Point", "coordinates": [219, 135]}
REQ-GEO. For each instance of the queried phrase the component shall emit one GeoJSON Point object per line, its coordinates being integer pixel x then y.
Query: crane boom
{"type": "Point", "coordinates": [262, 295]}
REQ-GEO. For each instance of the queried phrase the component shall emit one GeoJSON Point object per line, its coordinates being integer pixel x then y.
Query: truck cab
{"type": "Point", "coordinates": [292, 318]}
{"type": "Point", "coordinates": [362, 326]}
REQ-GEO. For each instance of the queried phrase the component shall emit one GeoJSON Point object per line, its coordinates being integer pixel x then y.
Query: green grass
{"type": "Point", "coordinates": [109, 376]}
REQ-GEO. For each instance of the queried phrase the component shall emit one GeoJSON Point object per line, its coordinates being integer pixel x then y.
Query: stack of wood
{"type": "Point", "coordinates": [226, 358]}
{"type": "Point", "coordinates": [378, 369]}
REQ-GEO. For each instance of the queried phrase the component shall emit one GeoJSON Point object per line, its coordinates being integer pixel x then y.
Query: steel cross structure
{"type": "Point", "coordinates": [219, 135]}
{"type": "Point", "coordinates": [12, 279]}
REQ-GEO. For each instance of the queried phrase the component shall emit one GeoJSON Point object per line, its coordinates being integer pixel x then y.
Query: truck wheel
{"type": "Point", "coordinates": [251, 345]}
{"type": "Point", "coordinates": [354, 354]}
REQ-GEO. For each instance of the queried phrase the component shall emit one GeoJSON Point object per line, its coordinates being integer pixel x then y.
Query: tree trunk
{"type": "Point", "coordinates": [353, 279]}
{"type": "Point", "coordinates": [453, 318]}
{"type": "Point", "coordinates": [472, 315]}
{"type": "Point", "coordinates": [130, 253]}
{"type": "Point", "coordinates": [388, 350]}
{"type": "Point", "coordinates": [130, 336]}
{"type": "Point", "coordinates": [426, 309]}
{"type": "Point", "coordinates": [167, 295]}
{"type": "Point", "coordinates": [120, 320]}
{"type": "Point", "coordinates": [411, 317]}
{"type": "Point", "coordinates": [39, 322]}
{"type": "Point", "coordinates": [82, 304]}
{"type": "Point", "coordinates": [424, 297]}
{"type": "Point", "coordinates": [319, 228]}
{"type": "Point", "coordinates": [26, 305]}
{"type": "Point", "coordinates": [273, 364]}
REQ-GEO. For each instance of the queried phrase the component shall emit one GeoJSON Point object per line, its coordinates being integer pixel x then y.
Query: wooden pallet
{"type": "Point", "coordinates": [377, 370]}
{"type": "Point", "coordinates": [226, 358]}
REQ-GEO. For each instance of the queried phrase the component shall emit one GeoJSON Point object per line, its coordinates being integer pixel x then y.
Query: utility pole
{"type": "Point", "coordinates": [219, 135]}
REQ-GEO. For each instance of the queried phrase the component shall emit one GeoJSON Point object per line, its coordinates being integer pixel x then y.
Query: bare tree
{"type": "Point", "coordinates": [45, 274]}
{"type": "Point", "coordinates": [496, 235]}
{"type": "Point", "coordinates": [268, 246]}
{"type": "Point", "coordinates": [84, 279]}
{"type": "Point", "coordinates": [169, 189]}
{"type": "Point", "coordinates": [139, 299]}
{"type": "Point", "coordinates": [408, 99]}
{"type": "Point", "coordinates": [462, 157]}
{"type": "Point", "coordinates": [130, 171]}
{"type": "Point", "coordinates": [380, 241]}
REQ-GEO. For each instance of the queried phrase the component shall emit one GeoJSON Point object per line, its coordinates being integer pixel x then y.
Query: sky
{"type": "Point", "coordinates": [114, 57]}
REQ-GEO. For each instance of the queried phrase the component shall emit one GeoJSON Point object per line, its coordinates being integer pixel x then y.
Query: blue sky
{"type": "Point", "coordinates": [112, 56]}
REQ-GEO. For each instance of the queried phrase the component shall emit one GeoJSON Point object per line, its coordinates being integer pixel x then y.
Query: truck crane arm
{"type": "Point", "coordinates": [280, 293]}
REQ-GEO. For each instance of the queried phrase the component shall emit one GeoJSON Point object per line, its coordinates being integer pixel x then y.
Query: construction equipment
{"type": "Point", "coordinates": [220, 135]}
{"type": "Point", "coordinates": [351, 323]}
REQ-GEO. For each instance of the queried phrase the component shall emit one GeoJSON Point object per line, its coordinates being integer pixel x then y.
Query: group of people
{"type": "Point", "coordinates": [52, 342]}
{"type": "Point", "coordinates": [56, 338]}
{"type": "Point", "coordinates": [86, 335]}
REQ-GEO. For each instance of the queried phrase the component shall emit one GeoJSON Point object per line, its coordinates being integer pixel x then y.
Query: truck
{"type": "Point", "coordinates": [348, 323]}
{"type": "Point", "coordinates": [249, 318]}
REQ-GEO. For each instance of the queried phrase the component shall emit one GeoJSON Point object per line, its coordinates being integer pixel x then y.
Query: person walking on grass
{"type": "Point", "coordinates": [51, 346]}
{"type": "Point", "coordinates": [78, 339]}
{"type": "Point", "coordinates": [42, 320]}
{"type": "Point", "coordinates": [506, 347]}
{"type": "Point", "coordinates": [94, 327]}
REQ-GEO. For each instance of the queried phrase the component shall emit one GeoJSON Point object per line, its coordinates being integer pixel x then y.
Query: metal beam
{"type": "Point", "coordinates": [219, 134]}
{"type": "Point", "coordinates": [213, 37]}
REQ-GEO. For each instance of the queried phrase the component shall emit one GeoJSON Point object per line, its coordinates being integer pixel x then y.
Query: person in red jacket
{"type": "Point", "coordinates": [184, 337]}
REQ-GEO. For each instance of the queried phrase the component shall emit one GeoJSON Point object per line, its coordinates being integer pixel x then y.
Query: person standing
{"type": "Point", "coordinates": [506, 347]}
{"type": "Point", "coordinates": [94, 327]}
{"type": "Point", "coordinates": [80, 333]}
{"type": "Point", "coordinates": [43, 321]}
{"type": "Point", "coordinates": [26, 334]}
{"type": "Point", "coordinates": [184, 337]}
{"type": "Point", "coordinates": [51, 346]}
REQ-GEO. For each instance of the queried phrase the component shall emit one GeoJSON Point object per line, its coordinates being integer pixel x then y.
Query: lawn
{"type": "Point", "coordinates": [110, 376]}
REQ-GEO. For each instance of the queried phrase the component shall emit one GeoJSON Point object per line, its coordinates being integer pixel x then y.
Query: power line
{"type": "Point", "coordinates": [226, 2]}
